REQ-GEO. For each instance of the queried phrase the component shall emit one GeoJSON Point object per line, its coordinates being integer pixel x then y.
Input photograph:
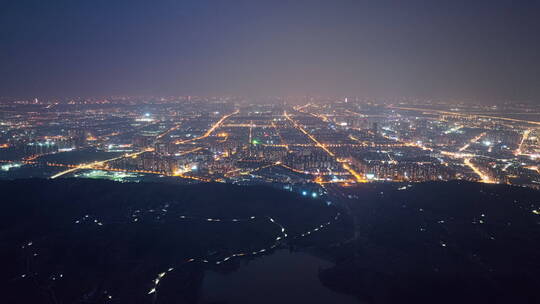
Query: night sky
{"type": "Point", "coordinates": [483, 50]}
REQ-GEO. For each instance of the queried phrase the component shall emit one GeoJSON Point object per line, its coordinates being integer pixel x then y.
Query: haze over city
{"type": "Point", "coordinates": [317, 152]}
{"type": "Point", "coordinates": [475, 50]}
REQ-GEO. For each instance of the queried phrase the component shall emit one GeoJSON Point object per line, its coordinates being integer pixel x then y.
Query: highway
{"type": "Point", "coordinates": [524, 137]}
{"type": "Point", "coordinates": [484, 178]}
{"type": "Point", "coordinates": [96, 164]}
{"type": "Point", "coordinates": [472, 141]}
{"type": "Point", "coordinates": [465, 156]}
{"type": "Point", "coordinates": [465, 115]}
{"type": "Point", "coordinates": [175, 127]}
{"type": "Point", "coordinates": [359, 178]}
{"type": "Point", "coordinates": [209, 131]}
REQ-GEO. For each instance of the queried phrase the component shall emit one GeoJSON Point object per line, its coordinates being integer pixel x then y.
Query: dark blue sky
{"type": "Point", "coordinates": [463, 49]}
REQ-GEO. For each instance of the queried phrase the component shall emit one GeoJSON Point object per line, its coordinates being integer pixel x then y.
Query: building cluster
{"type": "Point", "coordinates": [238, 140]}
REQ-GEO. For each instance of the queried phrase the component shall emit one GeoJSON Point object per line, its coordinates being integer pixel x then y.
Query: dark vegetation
{"type": "Point", "coordinates": [454, 242]}
{"type": "Point", "coordinates": [86, 244]}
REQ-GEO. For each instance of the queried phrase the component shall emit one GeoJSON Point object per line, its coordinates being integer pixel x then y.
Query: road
{"type": "Point", "coordinates": [484, 178]}
{"type": "Point", "coordinates": [472, 141]}
{"type": "Point", "coordinates": [524, 138]}
{"type": "Point", "coordinates": [209, 131]}
{"type": "Point", "coordinates": [207, 260]}
{"type": "Point", "coordinates": [358, 177]}
{"type": "Point", "coordinates": [466, 115]}
{"type": "Point", "coordinates": [97, 164]}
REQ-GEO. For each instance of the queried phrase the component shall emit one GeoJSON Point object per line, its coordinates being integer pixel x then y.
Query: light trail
{"type": "Point", "coordinates": [484, 178]}
{"type": "Point", "coordinates": [239, 171]}
{"type": "Point", "coordinates": [425, 148]}
{"type": "Point", "coordinates": [206, 260]}
{"type": "Point", "coordinates": [190, 151]}
{"type": "Point", "coordinates": [523, 139]}
{"type": "Point", "coordinates": [210, 131]}
{"type": "Point", "coordinates": [355, 113]}
{"type": "Point", "coordinates": [454, 129]}
{"type": "Point", "coordinates": [465, 115]}
{"type": "Point", "coordinates": [99, 168]}
{"type": "Point", "coordinates": [67, 171]}
{"type": "Point", "coordinates": [75, 168]}
{"type": "Point", "coordinates": [96, 164]}
{"type": "Point", "coordinates": [36, 156]}
{"type": "Point", "coordinates": [475, 139]}
{"type": "Point", "coordinates": [367, 143]}
{"type": "Point", "coordinates": [465, 156]}
{"type": "Point", "coordinates": [317, 143]}
{"type": "Point", "coordinates": [286, 145]}
{"type": "Point", "coordinates": [359, 178]}
{"type": "Point", "coordinates": [201, 179]}
{"type": "Point", "coordinates": [174, 128]}
{"type": "Point", "coordinates": [319, 116]}
{"type": "Point", "coordinates": [292, 169]}
{"type": "Point", "coordinates": [246, 126]}
{"type": "Point", "coordinates": [300, 108]}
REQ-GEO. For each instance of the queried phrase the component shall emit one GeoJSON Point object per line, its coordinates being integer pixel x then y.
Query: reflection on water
{"type": "Point", "coordinates": [283, 277]}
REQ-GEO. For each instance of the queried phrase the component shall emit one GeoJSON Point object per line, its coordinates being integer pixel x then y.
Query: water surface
{"type": "Point", "coordinates": [283, 277]}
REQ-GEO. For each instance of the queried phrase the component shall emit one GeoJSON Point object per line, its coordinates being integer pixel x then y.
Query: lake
{"type": "Point", "coordinates": [283, 277]}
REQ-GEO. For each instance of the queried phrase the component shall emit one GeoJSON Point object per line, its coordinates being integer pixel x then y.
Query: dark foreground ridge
{"type": "Point", "coordinates": [93, 241]}
{"type": "Point", "coordinates": [440, 242]}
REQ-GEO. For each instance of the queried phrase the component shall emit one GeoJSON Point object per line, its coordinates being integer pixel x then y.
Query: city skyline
{"type": "Point", "coordinates": [341, 142]}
